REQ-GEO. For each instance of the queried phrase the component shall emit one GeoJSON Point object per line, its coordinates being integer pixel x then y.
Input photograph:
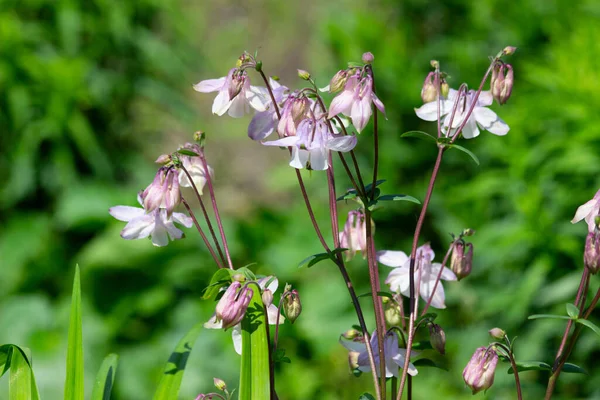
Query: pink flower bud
{"type": "Point", "coordinates": [461, 263]}
{"type": "Point", "coordinates": [368, 57]}
{"type": "Point", "coordinates": [354, 235]}
{"type": "Point", "coordinates": [220, 384]}
{"type": "Point", "coordinates": [437, 338]}
{"type": "Point", "coordinates": [163, 192]}
{"type": "Point", "coordinates": [302, 74]}
{"type": "Point", "coordinates": [338, 81]}
{"type": "Point", "coordinates": [232, 306]}
{"type": "Point", "coordinates": [497, 333]}
{"type": "Point", "coordinates": [502, 82]}
{"type": "Point", "coordinates": [508, 50]}
{"type": "Point", "coordinates": [236, 84]}
{"type": "Point", "coordinates": [163, 159]}
{"type": "Point", "coordinates": [267, 297]}
{"type": "Point", "coordinates": [479, 372]}
{"type": "Point", "coordinates": [591, 255]}
{"type": "Point", "coordinates": [429, 91]}
{"type": "Point", "coordinates": [292, 306]}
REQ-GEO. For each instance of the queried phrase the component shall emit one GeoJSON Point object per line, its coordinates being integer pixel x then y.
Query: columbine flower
{"type": "Point", "coordinates": [355, 101]}
{"type": "Point", "coordinates": [235, 96]}
{"type": "Point", "coordinates": [479, 372]}
{"type": "Point", "coordinates": [481, 117]}
{"type": "Point", "coordinates": [163, 192]}
{"type": "Point", "coordinates": [354, 235]}
{"type": "Point", "coordinates": [312, 143]}
{"type": "Point", "coordinates": [232, 307]}
{"type": "Point", "coordinates": [272, 313]}
{"type": "Point", "coordinates": [264, 123]}
{"type": "Point", "coordinates": [591, 254]}
{"type": "Point", "coordinates": [195, 167]}
{"type": "Point", "coordinates": [501, 85]}
{"type": "Point", "coordinates": [394, 357]}
{"type": "Point", "coordinates": [155, 224]}
{"type": "Point", "coordinates": [589, 211]}
{"type": "Point", "coordinates": [425, 271]}
{"type": "Point", "coordinates": [294, 110]}
{"type": "Point", "coordinates": [461, 262]}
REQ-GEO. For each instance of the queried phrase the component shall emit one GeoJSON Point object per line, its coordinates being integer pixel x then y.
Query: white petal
{"type": "Point", "coordinates": [299, 158]}
{"type": "Point", "coordinates": [126, 213]}
{"type": "Point", "coordinates": [485, 98]}
{"type": "Point", "coordinates": [183, 219]}
{"type": "Point", "coordinates": [209, 85]}
{"type": "Point", "coordinates": [283, 142]}
{"type": "Point", "coordinates": [318, 159]}
{"type": "Point", "coordinates": [272, 315]}
{"type": "Point", "coordinates": [221, 103]}
{"type": "Point", "coordinates": [428, 111]}
{"type": "Point", "coordinates": [262, 125]}
{"type": "Point", "coordinates": [238, 106]}
{"type": "Point", "coordinates": [258, 98]}
{"type": "Point", "coordinates": [342, 143]}
{"type": "Point", "coordinates": [438, 297]}
{"type": "Point", "coordinates": [351, 345]}
{"type": "Point", "coordinates": [470, 130]}
{"type": "Point", "coordinates": [160, 236]}
{"type": "Point", "coordinates": [324, 89]}
{"type": "Point", "coordinates": [398, 279]}
{"type": "Point", "coordinates": [236, 336]}
{"type": "Point", "coordinates": [212, 323]}
{"type": "Point", "coordinates": [273, 285]}
{"type": "Point", "coordinates": [392, 258]}
{"type": "Point", "coordinates": [583, 210]}
{"type": "Point", "coordinates": [489, 121]}
{"type": "Point", "coordinates": [399, 359]}
{"type": "Point", "coordinates": [138, 228]}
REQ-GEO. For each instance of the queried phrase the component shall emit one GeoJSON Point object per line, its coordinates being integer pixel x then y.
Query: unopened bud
{"type": "Point", "coordinates": [461, 262]}
{"type": "Point", "coordinates": [163, 159]}
{"type": "Point", "coordinates": [238, 278]}
{"type": "Point", "coordinates": [437, 338]}
{"type": "Point", "coordinates": [479, 372]}
{"type": "Point", "coordinates": [591, 255]}
{"type": "Point", "coordinates": [200, 137]}
{"type": "Point", "coordinates": [444, 88]}
{"type": "Point", "coordinates": [392, 313]}
{"type": "Point", "coordinates": [351, 334]}
{"type": "Point", "coordinates": [267, 297]}
{"type": "Point", "coordinates": [502, 82]}
{"type": "Point", "coordinates": [353, 360]}
{"type": "Point", "coordinates": [368, 57]}
{"type": "Point", "coordinates": [508, 50]}
{"type": "Point", "coordinates": [292, 306]}
{"type": "Point", "coordinates": [429, 91]}
{"type": "Point", "coordinates": [233, 305]}
{"type": "Point", "coordinates": [302, 74]}
{"type": "Point", "coordinates": [468, 232]}
{"type": "Point", "coordinates": [497, 333]}
{"type": "Point", "coordinates": [434, 64]}
{"type": "Point", "coordinates": [220, 384]}
{"type": "Point", "coordinates": [338, 81]}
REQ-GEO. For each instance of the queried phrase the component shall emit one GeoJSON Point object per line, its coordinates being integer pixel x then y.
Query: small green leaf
{"type": "Point", "coordinates": [469, 152]}
{"type": "Point", "coordinates": [419, 134]}
{"type": "Point", "coordinates": [422, 345]}
{"type": "Point", "coordinates": [168, 387]}
{"type": "Point", "coordinates": [572, 311]}
{"type": "Point", "coordinates": [312, 260]}
{"type": "Point", "coordinates": [349, 195]}
{"type": "Point", "coordinates": [574, 369]}
{"type": "Point", "coordinates": [21, 385]}
{"type": "Point", "coordinates": [105, 378]}
{"type": "Point", "coordinates": [219, 279]}
{"type": "Point", "coordinates": [187, 152]}
{"type": "Point", "coordinates": [380, 294]}
{"type": "Point", "coordinates": [366, 396]}
{"type": "Point", "coordinates": [280, 356]}
{"type": "Point", "coordinates": [74, 380]}
{"type": "Point", "coordinates": [589, 324]}
{"type": "Point", "coordinates": [426, 362]}
{"type": "Point", "coordinates": [377, 183]}
{"type": "Point", "coordinates": [548, 316]}
{"type": "Point", "coordinates": [530, 366]}
{"type": "Point", "coordinates": [398, 197]}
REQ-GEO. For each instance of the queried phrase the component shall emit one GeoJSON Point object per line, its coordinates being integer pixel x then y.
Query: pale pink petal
{"type": "Point", "coordinates": [438, 297]}
{"type": "Point", "coordinates": [399, 359]}
{"type": "Point", "coordinates": [258, 98]}
{"type": "Point", "coordinates": [342, 103]}
{"type": "Point", "coordinates": [485, 98]}
{"type": "Point", "coordinates": [221, 103]}
{"type": "Point", "coordinates": [318, 159]}
{"type": "Point", "coordinates": [236, 336]}
{"type": "Point", "coordinates": [470, 129]}
{"type": "Point", "coordinates": [138, 228]}
{"type": "Point", "coordinates": [209, 85]}
{"type": "Point", "coordinates": [584, 210]}
{"type": "Point", "coordinates": [261, 125]}
{"type": "Point", "coordinates": [272, 312]}
{"type": "Point", "coordinates": [283, 142]}
{"type": "Point", "coordinates": [352, 345]}
{"type": "Point", "coordinates": [361, 113]}
{"type": "Point", "coordinates": [489, 121]}
{"type": "Point", "coordinates": [126, 213]}
{"type": "Point", "coordinates": [238, 106]}
{"type": "Point", "coordinates": [212, 323]}
{"type": "Point", "coordinates": [379, 104]}
{"type": "Point", "coordinates": [183, 219]}
{"type": "Point", "coordinates": [392, 258]}
{"type": "Point", "coordinates": [342, 143]}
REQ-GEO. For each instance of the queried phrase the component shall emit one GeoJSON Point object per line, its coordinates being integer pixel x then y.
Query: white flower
{"type": "Point", "coordinates": [235, 96]}
{"type": "Point", "coordinates": [481, 117]}
{"type": "Point", "coordinates": [155, 224]}
{"type": "Point", "coordinates": [425, 271]}
{"type": "Point", "coordinates": [394, 356]}
{"type": "Point", "coordinates": [264, 123]}
{"type": "Point", "coordinates": [236, 332]}
{"type": "Point", "coordinates": [195, 167]}
{"type": "Point", "coordinates": [588, 211]}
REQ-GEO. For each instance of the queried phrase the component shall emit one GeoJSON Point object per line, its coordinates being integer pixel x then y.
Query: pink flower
{"type": "Point", "coordinates": [195, 167]}
{"type": "Point", "coordinates": [355, 101]}
{"type": "Point", "coordinates": [354, 235]}
{"type": "Point", "coordinates": [479, 372]}
{"type": "Point", "coordinates": [163, 192]}
{"type": "Point", "coordinates": [264, 123]}
{"type": "Point", "coordinates": [588, 211]}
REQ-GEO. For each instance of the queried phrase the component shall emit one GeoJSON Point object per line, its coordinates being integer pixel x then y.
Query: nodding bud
{"type": "Point", "coordinates": [508, 50]}
{"type": "Point", "coordinates": [479, 372]}
{"type": "Point", "coordinates": [163, 192]}
{"type": "Point", "coordinates": [497, 333]}
{"type": "Point", "coordinates": [220, 384]}
{"type": "Point", "coordinates": [267, 297]}
{"type": "Point", "coordinates": [392, 312]}
{"type": "Point", "coordinates": [338, 81]}
{"type": "Point", "coordinates": [292, 306]}
{"type": "Point", "coordinates": [200, 138]}
{"type": "Point", "coordinates": [591, 255]}
{"type": "Point", "coordinates": [502, 82]}
{"type": "Point", "coordinates": [461, 262]}
{"type": "Point", "coordinates": [352, 334]}
{"type": "Point", "coordinates": [163, 159]}
{"type": "Point", "coordinates": [437, 338]}
{"type": "Point", "coordinates": [444, 88]}
{"type": "Point", "coordinates": [233, 305]}
{"type": "Point", "coordinates": [302, 74]}
{"type": "Point", "coordinates": [429, 91]}
{"type": "Point", "coordinates": [368, 57]}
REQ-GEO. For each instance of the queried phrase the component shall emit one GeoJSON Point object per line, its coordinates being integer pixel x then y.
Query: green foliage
{"type": "Point", "coordinates": [74, 381]}
{"type": "Point", "coordinates": [21, 384]}
{"type": "Point", "coordinates": [105, 379]}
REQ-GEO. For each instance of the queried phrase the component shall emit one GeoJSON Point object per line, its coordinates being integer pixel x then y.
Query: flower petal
{"type": "Point", "coordinates": [342, 103]}
{"type": "Point", "coordinates": [392, 258]}
{"type": "Point", "coordinates": [126, 213]}
{"type": "Point", "coordinates": [258, 98]}
{"type": "Point", "coordinates": [342, 143]}
{"type": "Point", "coordinates": [439, 296]}
{"type": "Point", "coordinates": [221, 103]}
{"type": "Point", "coordinates": [489, 121]}
{"type": "Point", "coordinates": [236, 336]}
{"type": "Point", "coordinates": [138, 228]}
{"type": "Point", "coordinates": [212, 323]}
{"type": "Point", "coordinates": [283, 142]}
{"type": "Point", "coordinates": [238, 106]}
{"type": "Point", "coordinates": [582, 211]}
{"type": "Point", "coordinates": [262, 125]}
{"type": "Point", "coordinates": [209, 85]}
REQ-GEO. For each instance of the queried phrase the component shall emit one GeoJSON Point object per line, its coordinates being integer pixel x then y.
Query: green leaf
{"type": "Point", "coordinates": [530, 366]}
{"type": "Point", "coordinates": [548, 316]}
{"type": "Point", "coordinates": [422, 345]}
{"type": "Point", "coordinates": [380, 294]}
{"type": "Point", "coordinates": [349, 195]}
{"type": "Point", "coordinates": [187, 152]}
{"type": "Point", "coordinates": [74, 380]}
{"type": "Point", "coordinates": [377, 183]}
{"type": "Point", "coordinates": [469, 152]}
{"type": "Point", "coordinates": [219, 279]}
{"type": "Point", "coordinates": [168, 387]}
{"type": "Point", "coordinates": [572, 311]}
{"type": "Point", "coordinates": [21, 385]}
{"type": "Point", "coordinates": [398, 197]}
{"type": "Point", "coordinates": [312, 260]}
{"type": "Point", "coordinates": [105, 378]}
{"type": "Point", "coordinates": [419, 134]}
{"type": "Point", "coordinates": [366, 396]}
{"type": "Point", "coordinates": [426, 362]}
{"type": "Point", "coordinates": [280, 356]}
{"type": "Point", "coordinates": [589, 324]}
{"type": "Point", "coordinates": [574, 369]}
{"type": "Point", "coordinates": [255, 372]}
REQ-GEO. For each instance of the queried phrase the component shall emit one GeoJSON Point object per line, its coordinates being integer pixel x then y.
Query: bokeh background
{"type": "Point", "coordinates": [91, 92]}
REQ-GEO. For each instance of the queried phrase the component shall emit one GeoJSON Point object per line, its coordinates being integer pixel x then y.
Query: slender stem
{"type": "Point", "coordinates": [203, 207]}
{"type": "Point", "coordinates": [262, 74]}
{"type": "Point", "coordinates": [216, 211]}
{"type": "Point", "coordinates": [375, 140]}
{"type": "Point", "coordinates": [413, 300]}
{"type": "Point", "coordinates": [515, 370]}
{"type": "Point", "coordinates": [206, 242]}
{"type": "Point", "coordinates": [437, 281]}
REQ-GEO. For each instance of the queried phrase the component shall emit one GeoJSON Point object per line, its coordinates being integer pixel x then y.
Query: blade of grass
{"type": "Point", "coordinates": [74, 380]}
{"type": "Point", "coordinates": [105, 378]}
{"type": "Point", "coordinates": [21, 384]}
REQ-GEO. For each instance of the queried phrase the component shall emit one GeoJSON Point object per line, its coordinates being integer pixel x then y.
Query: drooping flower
{"type": "Point", "coordinates": [501, 83]}
{"type": "Point", "coordinates": [354, 235]}
{"type": "Point", "coordinates": [312, 143]}
{"type": "Point", "coordinates": [481, 117]}
{"type": "Point", "coordinates": [155, 224]}
{"type": "Point", "coordinates": [263, 123]}
{"type": "Point", "coordinates": [195, 167]}
{"type": "Point", "coordinates": [292, 305]}
{"type": "Point", "coordinates": [394, 356]}
{"type": "Point", "coordinates": [426, 273]}
{"type": "Point", "coordinates": [588, 211]}
{"type": "Point", "coordinates": [591, 254]}
{"type": "Point", "coordinates": [295, 109]}
{"type": "Point", "coordinates": [355, 100]}
{"type": "Point", "coordinates": [236, 95]}
{"type": "Point", "coordinates": [232, 307]}
{"type": "Point", "coordinates": [461, 261]}
{"type": "Point", "coordinates": [479, 372]}
{"type": "Point", "coordinates": [163, 192]}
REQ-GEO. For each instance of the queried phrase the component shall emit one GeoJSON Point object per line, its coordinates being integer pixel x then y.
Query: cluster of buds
{"type": "Point", "coordinates": [461, 262]}
{"type": "Point", "coordinates": [295, 109]}
{"type": "Point", "coordinates": [429, 92]}
{"type": "Point", "coordinates": [479, 372]}
{"type": "Point", "coordinates": [502, 82]}
{"type": "Point", "coordinates": [232, 307]}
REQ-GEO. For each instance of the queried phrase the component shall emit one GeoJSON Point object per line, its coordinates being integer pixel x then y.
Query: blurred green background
{"type": "Point", "coordinates": [91, 92]}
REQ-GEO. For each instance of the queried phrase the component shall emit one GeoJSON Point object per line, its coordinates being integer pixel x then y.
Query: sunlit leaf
{"type": "Point", "coordinates": [74, 380]}
{"type": "Point", "coordinates": [590, 325]}
{"type": "Point", "coordinates": [105, 378]}
{"type": "Point", "coordinates": [420, 135]}
{"type": "Point", "coordinates": [572, 311]}
{"type": "Point", "coordinates": [530, 366]}
{"type": "Point", "coordinates": [467, 151]}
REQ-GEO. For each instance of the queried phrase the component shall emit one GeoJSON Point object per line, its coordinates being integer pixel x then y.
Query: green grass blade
{"type": "Point", "coordinates": [168, 387]}
{"type": "Point", "coordinates": [105, 378]}
{"type": "Point", "coordinates": [255, 373]}
{"type": "Point", "coordinates": [74, 381]}
{"type": "Point", "coordinates": [21, 384]}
